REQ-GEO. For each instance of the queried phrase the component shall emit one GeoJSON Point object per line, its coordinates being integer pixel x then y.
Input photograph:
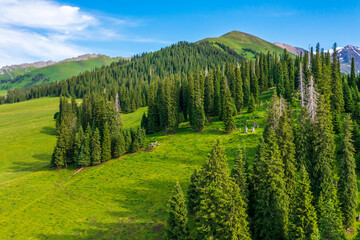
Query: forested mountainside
{"type": "Point", "coordinates": [297, 157]}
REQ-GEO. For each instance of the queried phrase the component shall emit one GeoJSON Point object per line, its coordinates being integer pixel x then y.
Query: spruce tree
{"type": "Point", "coordinates": [324, 153]}
{"type": "Point", "coordinates": [79, 138]}
{"type": "Point", "coordinates": [198, 113]}
{"type": "Point", "coordinates": [269, 197]}
{"type": "Point", "coordinates": [85, 152]}
{"type": "Point", "coordinates": [118, 143]}
{"type": "Point", "coordinates": [106, 144]}
{"type": "Point", "coordinates": [144, 122]}
{"type": "Point", "coordinates": [209, 94]}
{"type": "Point", "coordinates": [193, 193]}
{"type": "Point", "coordinates": [251, 105]}
{"type": "Point", "coordinates": [95, 147]}
{"type": "Point", "coordinates": [304, 140]}
{"type": "Point", "coordinates": [177, 222]}
{"type": "Point", "coordinates": [330, 224]}
{"type": "Point", "coordinates": [303, 219]}
{"type": "Point", "coordinates": [228, 113]}
{"type": "Point", "coordinates": [285, 134]}
{"type": "Point", "coordinates": [337, 99]}
{"type": "Point", "coordinates": [238, 173]}
{"type": "Point", "coordinates": [348, 189]}
{"type": "Point", "coordinates": [221, 213]}
{"type": "Point", "coordinates": [238, 92]}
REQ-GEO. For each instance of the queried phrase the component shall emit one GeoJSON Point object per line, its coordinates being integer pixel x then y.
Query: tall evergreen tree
{"type": "Point", "coordinates": [238, 91]}
{"type": "Point", "coordinates": [209, 94]}
{"type": "Point", "coordinates": [304, 140]}
{"type": "Point", "coordinates": [177, 222]}
{"type": "Point", "coordinates": [84, 158]}
{"type": "Point", "coordinates": [193, 193]}
{"type": "Point", "coordinates": [303, 219]}
{"type": "Point", "coordinates": [95, 147]}
{"type": "Point", "coordinates": [348, 189]}
{"type": "Point", "coordinates": [324, 153]}
{"type": "Point", "coordinates": [330, 224]}
{"type": "Point", "coordinates": [228, 113]}
{"type": "Point", "coordinates": [239, 173]}
{"type": "Point", "coordinates": [269, 197]}
{"type": "Point", "coordinates": [251, 106]}
{"type": "Point", "coordinates": [221, 213]}
{"type": "Point", "coordinates": [285, 134]}
{"type": "Point", "coordinates": [106, 144]}
{"type": "Point", "coordinates": [337, 99]}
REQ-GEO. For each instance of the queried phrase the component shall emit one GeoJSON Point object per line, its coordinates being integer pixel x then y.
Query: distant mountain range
{"type": "Point", "coordinates": [292, 49]}
{"type": "Point", "coordinates": [28, 74]}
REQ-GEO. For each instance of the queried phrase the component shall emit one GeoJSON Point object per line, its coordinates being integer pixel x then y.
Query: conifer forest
{"type": "Point", "coordinates": [224, 138]}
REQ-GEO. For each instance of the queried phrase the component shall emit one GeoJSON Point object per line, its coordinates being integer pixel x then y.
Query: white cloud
{"type": "Point", "coordinates": [22, 46]}
{"type": "Point", "coordinates": [41, 30]}
{"type": "Point", "coordinates": [44, 15]}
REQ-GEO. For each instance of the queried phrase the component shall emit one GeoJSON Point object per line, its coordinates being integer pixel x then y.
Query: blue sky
{"type": "Point", "coordinates": [53, 30]}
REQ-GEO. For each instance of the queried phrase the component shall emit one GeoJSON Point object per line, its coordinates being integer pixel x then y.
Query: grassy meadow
{"type": "Point", "coordinates": [124, 198]}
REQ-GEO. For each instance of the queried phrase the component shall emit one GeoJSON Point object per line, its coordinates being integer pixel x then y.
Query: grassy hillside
{"type": "Point", "coordinates": [52, 73]}
{"type": "Point", "coordinates": [244, 44]}
{"type": "Point", "coordinates": [125, 198]}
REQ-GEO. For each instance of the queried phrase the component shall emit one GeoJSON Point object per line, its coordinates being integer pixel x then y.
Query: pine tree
{"type": "Point", "coordinates": [193, 193]}
{"type": "Point", "coordinates": [285, 134]}
{"type": "Point", "coordinates": [352, 77]}
{"type": "Point", "coordinates": [198, 113]}
{"type": "Point", "coordinates": [117, 143]}
{"type": "Point", "coordinates": [239, 174]}
{"type": "Point", "coordinates": [106, 144]}
{"type": "Point", "coordinates": [177, 222]}
{"type": "Point", "coordinates": [221, 213]}
{"type": "Point", "coordinates": [337, 99]}
{"type": "Point", "coordinates": [348, 182]}
{"type": "Point", "coordinates": [138, 138]}
{"type": "Point", "coordinates": [330, 224]}
{"type": "Point", "coordinates": [269, 196]}
{"type": "Point", "coordinates": [303, 215]}
{"type": "Point", "coordinates": [144, 122]}
{"type": "Point", "coordinates": [228, 113]}
{"type": "Point", "coordinates": [251, 106]}
{"type": "Point", "coordinates": [238, 92]}
{"type": "Point", "coordinates": [84, 158]}
{"type": "Point", "coordinates": [95, 147]}
{"type": "Point", "coordinates": [79, 138]}
{"type": "Point", "coordinates": [209, 94]}
{"type": "Point", "coordinates": [304, 140]}
{"type": "Point", "coordinates": [324, 153]}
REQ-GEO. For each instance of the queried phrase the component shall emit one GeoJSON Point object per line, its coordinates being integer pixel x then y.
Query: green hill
{"type": "Point", "coordinates": [244, 44]}
{"type": "Point", "coordinates": [124, 198]}
{"type": "Point", "coordinates": [55, 72]}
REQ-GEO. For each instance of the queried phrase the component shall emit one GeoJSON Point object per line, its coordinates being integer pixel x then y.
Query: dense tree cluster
{"type": "Point", "coordinates": [103, 138]}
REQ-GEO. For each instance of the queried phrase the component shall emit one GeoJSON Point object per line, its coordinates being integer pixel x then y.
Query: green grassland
{"type": "Point", "coordinates": [16, 73]}
{"type": "Point", "coordinates": [238, 41]}
{"type": "Point", "coordinates": [56, 72]}
{"type": "Point", "coordinates": [125, 198]}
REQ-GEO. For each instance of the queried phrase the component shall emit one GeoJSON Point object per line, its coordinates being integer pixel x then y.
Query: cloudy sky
{"type": "Point", "coordinates": [34, 30]}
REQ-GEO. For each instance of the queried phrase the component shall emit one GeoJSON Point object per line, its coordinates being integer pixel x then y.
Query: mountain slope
{"type": "Point", "coordinates": [244, 44]}
{"type": "Point", "coordinates": [23, 75]}
{"type": "Point", "coordinates": [292, 49]}
{"type": "Point", "coordinates": [346, 54]}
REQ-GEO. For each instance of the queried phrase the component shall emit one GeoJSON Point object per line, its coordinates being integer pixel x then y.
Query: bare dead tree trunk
{"type": "Point", "coordinates": [312, 99]}
{"type": "Point", "coordinates": [301, 85]}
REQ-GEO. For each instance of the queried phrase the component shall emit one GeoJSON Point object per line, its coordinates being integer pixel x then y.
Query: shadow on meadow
{"type": "Point", "coordinates": [143, 217]}
{"type": "Point", "coordinates": [48, 131]}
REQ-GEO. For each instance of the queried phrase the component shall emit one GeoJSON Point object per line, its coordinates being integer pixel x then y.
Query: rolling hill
{"type": "Point", "coordinates": [17, 77]}
{"type": "Point", "coordinates": [244, 44]}
{"type": "Point", "coordinates": [124, 198]}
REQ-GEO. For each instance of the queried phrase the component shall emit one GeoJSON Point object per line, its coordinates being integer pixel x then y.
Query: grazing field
{"type": "Point", "coordinates": [125, 198]}
{"type": "Point", "coordinates": [54, 72]}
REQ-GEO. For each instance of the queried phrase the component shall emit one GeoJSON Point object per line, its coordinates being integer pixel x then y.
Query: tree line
{"type": "Point", "coordinates": [104, 137]}
{"type": "Point", "coordinates": [290, 191]}
{"type": "Point", "coordinates": [301, 184]}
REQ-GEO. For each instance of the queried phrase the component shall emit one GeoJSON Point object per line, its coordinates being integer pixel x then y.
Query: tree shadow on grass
{"type": "Point", "coordinates": [42, 164]}
{"type": "Point", "coordinates": [143, 217]}
{"type": "Point", "coordinates": [48, 131]}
